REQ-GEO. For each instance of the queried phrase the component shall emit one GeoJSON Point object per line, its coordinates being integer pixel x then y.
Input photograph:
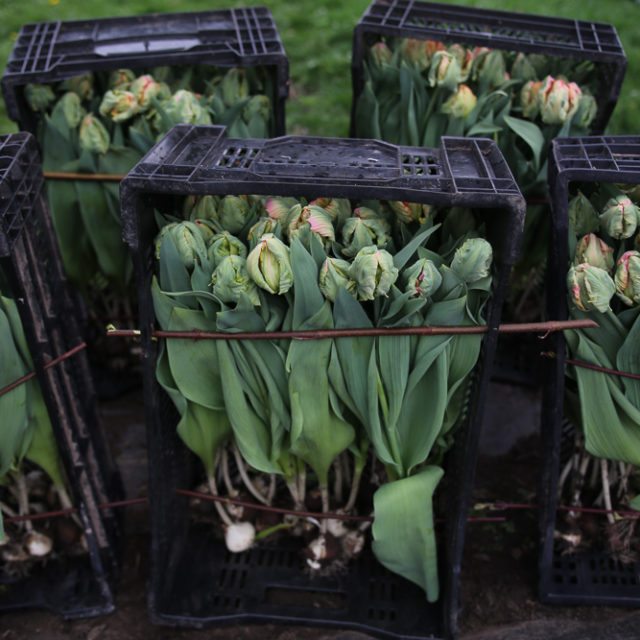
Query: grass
{"type": "Point", "coordinates": [317, 36]}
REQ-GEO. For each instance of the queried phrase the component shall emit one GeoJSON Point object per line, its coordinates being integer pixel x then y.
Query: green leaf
{"type": "Point", "coordinates": [403, 529]}
{"type": "Point", "coordinates": [529, 132]}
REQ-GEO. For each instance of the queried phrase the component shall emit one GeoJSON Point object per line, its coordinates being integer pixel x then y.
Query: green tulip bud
{"type": "Point", "coordinates": [121, 79]}
{"type": "Point", "coordinates": [472, 260]}
{"type": "Point", "coordinates": [338, 208]}
{"type": "Point", "coordinates": [93, 135]}
{"type": "Point", "coordinates": [189, 243]}
{"type": "Point", "coordinates": [373, 272]}
{"type": "Point", "coordinates": [334, 275]}
{"type": "Point", "coordinates": [222, 245]}
{"type": "Point", "coordinates": [380, 55]}
{"type": "Point", "coordinates": [119, 105]}
{"type": "Point", "coordinates": [413, 52]}
{"type": "Point", "coordinates": [465, 59]}
{"type": "Point", "coordinates": [269, 265]}
{"type": "Point", "coordinates": [620, 218]}
{"type": "Point", "coordinates": [81, 85]}
{"type": "Point", "coordinates": [233, 213]}
{"type": "Point", "coordinates": [587, 111]}
{"type": "Point", "coordinates": [359, 232]}
{"type": "Point", "coordinates": [258, 106]}
{"type": "Point", "coordinates": [183, 107]}
{"type": "Point", "coordinates": [422, 278]}
{"type": "Point", "coordinates": [207, 229]}
{"type": "Point", "coordinates": [590, 288]}
{"type": "Point", "coordinates": [559, 100]}
{"type": "Point", "coordinates": [627, 278]}
{"type": "Point", "coordinates": [530, 100]}
{"type": "Point", "coordinates": [444, 71]}
{"type": "Point", "coordinates": [260, 228]}
{"type": "Point", "coordinates": [313, 218]}
{"type": "Point", "coordinates": [595, 252]}
{"type": "Point", "coordinates": [203, 207]}
{"type": "Point", "coordinates": [409, 212]}
{"type": "Point", "coordinates": [39, 96]}
{"type": "Point", "coordinates": [145, 88]}
{"type": "Point", "coordinates": [522, 69]}
{"type": "Point", "coordinates": [162, 234]}
{"type": "Point", "coordinates": [278, 208]}
{"type": "Point", "coordinates": [583, 218]}
{"type": "Point", "coordinates": [230, 280]}
{"type": "Point", "coordinates": [71, 109]}
{"type": "Point", "coordinates": [235, 86]}
{"type": "Point", "coordinates": [489, 68]}
{"type": "Point", "coordinates": [461, 103]}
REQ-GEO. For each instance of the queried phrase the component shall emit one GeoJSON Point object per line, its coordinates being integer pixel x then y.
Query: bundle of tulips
{"type": "Point", "coordinates": [31, 477]}
{"type": "Point", "coordinates": [604, 284]}
{"type": "Point", "coordinates": [416, 91]}
{"type": "Point", "coordinates": [104, 123]}
{"type": "Point", "coordinates": [350, 425]}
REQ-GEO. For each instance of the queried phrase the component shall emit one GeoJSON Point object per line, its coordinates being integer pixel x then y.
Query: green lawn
{"type": "Point", "coordinates": [317, 36]}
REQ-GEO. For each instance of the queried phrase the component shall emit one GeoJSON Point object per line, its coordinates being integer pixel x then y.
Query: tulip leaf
{"type": "Point", "coordinates": [403, 529]}
{"type": "Point", "coordinates": [530, 133]}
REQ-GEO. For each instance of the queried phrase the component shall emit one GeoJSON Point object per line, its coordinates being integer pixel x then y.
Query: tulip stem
{"type": "Point", "coordinates": [355, 486]}
{"type": "Point", "coordinates": [66, 503]}
{"type": "Point", "coordinates": [222, 512]}
{"type": "Point", "coordinates": [604, 468]}
{"type": "Point", "coordinates": [272, 488]}
{"type": "Point", "coordinates": [324, 493]}
{"type": "Point", "coordinates": [23, 498]}
{"type": "Point", "coordinates": [231, 490]}
{"type": "Point", "coordinates": [7, 510]}
{"type": "Point", "coordinates": [246, 479]}
{"type": "Point", "coordinates": [337, 481]}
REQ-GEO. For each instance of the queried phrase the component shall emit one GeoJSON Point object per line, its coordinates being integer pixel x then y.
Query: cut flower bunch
{"type": "Point", "coordinates": [351, 425]}
{"type": "Point", "coordinates": [603, 284]}
{"type": "Point", "coordinates": [31, 476]}
{"type": "Point", "coordinates": [103, 123]}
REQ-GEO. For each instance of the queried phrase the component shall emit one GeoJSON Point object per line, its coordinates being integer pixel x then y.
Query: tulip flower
{"type": "Point", "coordinates": [529, 100]}
{"type": "Point", "coordinates": [71, 108]}
{"type": "Point", "coordinates": [188, 241]}
{"type": "Point", "coordinates": [223, 245]}
{"type": "Point", "coordinates": [359, 232]}
{"type": "Point", "coordinates": [559, 100]}
{"type": "Point", "coordinates": [93, 135]}
{"type": "Point", "coordinates": [233, 213]}
{"type": "Point", "coordinates": [444, 71]}
{"type": "Point", "coordinates": [230, 280]}
{"type": "Point", "coordinates": [380, 54]}
{"type": "Point", "coordinates": [82, 85]}
{"type": "Point", "coordinates": [413, 52]}
{"type": "Point", "coordinates": [522, 69]}
{"type": "Point", "coordinates": [620, 217]}
{"type": "Point", "coordinates": [583, 218]}
{"type": "Point", "coordinates": [39, 96]}
{"type": "Point", "coordinates": [278, 208]}
{"type": "Point", "coordinates": [587, 111]}
{"type": "Point", "coordinates": [465, 59]}
{"type": "Point", "coordinates": [461, 103]}
{"type": "Point", "coordinates": [627, 278]}
{"type": "Point", "coordinates": [145, 88]}
{"type": "Point", "coordinates": [338, 208]}
{"type": "Point", "coordinates": [409, 212]}
{"type": "Point", "coordinates": [184, 107]}
{"type": "Point", "coordinates": [472, 260]}
{"type": "Point", "coordinates": [260, 228]}
{"type": "Point", "coordinates": [590, 288]}
{"type": "Point", "coordinates": [373, 272]}
{"type": "Point", "coordinates": [258, 106]}
{"type": "Point", "coordinates": [234, 86]}
{"type": "Point", "coordinates": [422, 278]}
{"type": "Point", "coordinates": [269, 265]}
{"type": "Point", "coordinates": [204, 208]}
{"type": "Point", "coordinates": [490, 68]}
{"type": "Point", "coordinates": [316, 219]}
{"type": "Point", "coordinates": [595, 252]}
{"type": "Point", "coordinates": [119, 105]}
{"type": "Point", "coordinates": [121, 79]}
{"type": "Point", "coordinates": [334, 275]}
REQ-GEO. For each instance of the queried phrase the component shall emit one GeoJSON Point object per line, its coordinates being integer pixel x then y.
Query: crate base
{"type": "Point", "coordinates": [591, 578]}
{"type": "Point", "coordinates": [66, 587]}
{"type": "Point", "coordinates": [268, 584]}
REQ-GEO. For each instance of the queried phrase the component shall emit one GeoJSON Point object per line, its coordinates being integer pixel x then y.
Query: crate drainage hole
{"type": "Point", "coordinates": [283, 596]}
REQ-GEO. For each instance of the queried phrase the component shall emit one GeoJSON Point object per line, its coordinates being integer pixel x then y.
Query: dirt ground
{"type": "Point", "coordinates": [499, 570]}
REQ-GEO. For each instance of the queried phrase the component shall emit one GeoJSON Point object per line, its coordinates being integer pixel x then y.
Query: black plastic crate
{"type": "Point", "coordinates": [506, 30]}
{"type": "Point", "coordinates": [194, 583]}
{"type": "Point", "coordinates": [581, 578]}
{"type": "Point", "coordinates": [31, 264]}
{"type": "Point", "coordinates": [48, 52]}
